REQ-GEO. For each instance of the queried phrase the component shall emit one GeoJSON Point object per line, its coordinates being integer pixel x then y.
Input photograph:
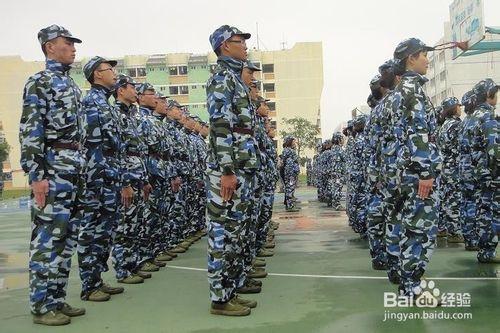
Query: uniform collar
{"type": "Point", "coordinates": [56, 66]}
{"type": "Point", "coordinates": [234, 65]}
{"type": "Point", "coordinates": [102, 89]}
{"type": "Point", "coordinates": [487, 106]}
{"type": "Point", "coordinates": [411, 74]}
{"type": "Point", "coordinates": [122, 106]}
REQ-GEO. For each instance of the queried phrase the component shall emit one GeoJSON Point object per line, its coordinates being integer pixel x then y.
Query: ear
{"type": "Point", "coordinates": [49, 47]}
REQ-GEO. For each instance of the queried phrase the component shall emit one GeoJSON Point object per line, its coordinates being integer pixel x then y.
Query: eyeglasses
{"type": "Point", "coordinates": [240, 41]}
{"type": "Point", "coordinates": [107, 69]}
{"type": "Point", "coordinates": [148, 94]}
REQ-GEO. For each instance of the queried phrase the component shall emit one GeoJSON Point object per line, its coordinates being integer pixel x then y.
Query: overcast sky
{"type": "Point", "coordinates": [357, 35]}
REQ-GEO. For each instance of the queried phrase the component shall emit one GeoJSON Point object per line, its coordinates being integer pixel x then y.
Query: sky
{"type": "Point", "coordinates": [357, 35]}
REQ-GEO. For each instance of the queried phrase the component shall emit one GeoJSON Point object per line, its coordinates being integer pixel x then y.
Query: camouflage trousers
{"type": "Point", "coordinates": [450, 198]}
{"type": "Point", "coordinates": [202, 207]}
{"type": "Point", "coordinates": [96, 233]}
{"type": "Point", "coordinates": [358, 204]}
{"type": "Point", "coordinates": [126, 245]}
{"type": "Point", "coordinates": [192, 208]}
{"type": "Point", "coordinates": [334, 190]}
{"type": "Point", "coordinates": [249, 249]}
{"type": "Point", "coordinates": [488, 238]}
{"type": "Point", "coordinates": [156, 218]}
{"type": "Point", "coordinates": [468, 213]}
{"type": "Point", "coordinates": [375, 222]}
{"type": "Point", "coordinates": [418, 233]}
{"type": "Point", "coordinates": [54, 238]}
{"type": "Point", "coordinates": [290, 184]}
{"type": "Point", "coordinates": [177, 218]}
{"type": "Point", "coordinates": [266, 213]}
{"type": "Point", "coordinates": [228, 227]}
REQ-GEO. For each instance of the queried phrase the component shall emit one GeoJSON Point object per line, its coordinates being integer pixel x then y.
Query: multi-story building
{"type": "Point", "coordinates": [449, 77]}
{"type": "Point", "coordinates": [291, 78]}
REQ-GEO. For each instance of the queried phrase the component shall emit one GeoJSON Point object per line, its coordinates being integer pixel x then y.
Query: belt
{"type": "Point", "coordinates": [132, 153]}
{"type": "Point", "coordinates": [243, 130]}
{"type": "Point", "coordinates": [109, 153]}
{"type": "Point", "coordinates": [65, 145]}
{"type": "Point", "coordinates": [159, 156]}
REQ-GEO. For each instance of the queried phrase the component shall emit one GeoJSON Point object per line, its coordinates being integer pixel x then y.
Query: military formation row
{"type": "Point", "coordinates": [414, 172]}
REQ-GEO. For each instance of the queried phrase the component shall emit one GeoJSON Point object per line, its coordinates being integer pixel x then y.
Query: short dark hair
{"type": "Point", "coordinates": [387, 78]}
{"type": "Point", "coordinates": [44, 50]}
{"type": "Point", "coordinates": [218, 52]}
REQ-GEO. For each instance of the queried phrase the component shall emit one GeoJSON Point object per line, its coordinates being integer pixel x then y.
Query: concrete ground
{"type": "Point", "coordinates": [320, 281]}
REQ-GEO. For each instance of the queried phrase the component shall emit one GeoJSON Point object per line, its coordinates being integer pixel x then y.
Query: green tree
{"type": "Point", "coordinates": [303, 131]}
{"type": "Point", "coordinates": [4, 151]}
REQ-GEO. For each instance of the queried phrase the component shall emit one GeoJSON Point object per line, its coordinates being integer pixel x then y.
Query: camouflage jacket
{"type": "Point", "coordinates": [414, 126]}
{"type": "Point", "coordinates": [180, 155]}
{"type": "Point", "coordinates": [104, 138]}
{"type": "Point", "coordinates": [231, 115]}
{"type": "Point", "coordinates": [134, 149]}
{"type": "Point", "coordinates": [290, 162]}
{"type": "Point", "coordinates": [373, 148]}
{"type": "Point", "coordinates": [52, 113]}
{"type": "Point", "coordinates": [334, 162]}
{"type": "Point", "coordinates": [201, 153]}
{"type": "Point", "coordinates": [448, 145]}
{"type": "Point", "coordinates": [357, 158]}
{"type": "Point", "coordinates": [485, 143]}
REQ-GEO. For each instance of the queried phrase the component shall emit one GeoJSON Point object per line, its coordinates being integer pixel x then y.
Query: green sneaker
{"type": "Point", "coordinates": [493, 260]}
{"type": "Point", "coordinates": [178, 249]}
{"type": "Point", "coordinates": [52, 318]}
{"type": "Point", "coordinates": [245, 302]}
{"type": "Point", "coordinates": [97, 296]}
{"type": "Point", "coordinates": [257, 273]}
{"type": "Point", "coordinates": [455, 239]}
{"type": "Point", "coordinates": [442, 234]}
{"type": "Point", "coordinates": [173, 255]}
{"type": "Point", "coordinates": [132, 279]}
{"type": "Point", "coordinates": [149, 267]}
{"type": "Point", "coordinates": [144, 275]}
{"type": "Point", "coordinates": [163, 257]}
{"type": "Point", "coordinates": [270, 245]}
{"type": "Point", "coordinates": [70, 311]}
{"type": "Point", "coordinates": [230, 308]}
{"type": "Point", "coordinates": [259, 263]}
{"type": "Point", "coordinates": [111, 290]}
{"type": "Point", "coordinates": [253, 282]}
{"type": "Point", "coordinates": [265, 253]}
{"type": "Point", "coordinates": [185, 245]}
{"type": "Point", "coordinates": [159, 263]}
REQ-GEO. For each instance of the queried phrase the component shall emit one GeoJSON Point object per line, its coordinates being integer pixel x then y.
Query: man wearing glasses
{"type": "Point", "coordinates": [232, 164]}
{"type": "Point", "coordinates": [103, 181]}
{"type": "Point", "coordinates": [52, 130]}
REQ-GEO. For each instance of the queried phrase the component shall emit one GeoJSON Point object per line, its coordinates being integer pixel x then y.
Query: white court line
{"type": "Point", "coordinates": [346, 276]}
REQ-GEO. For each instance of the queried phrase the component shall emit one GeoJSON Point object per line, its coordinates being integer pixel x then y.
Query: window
{"type": "Point", "coordinates": [441, 56]}
{"type": "Point", "coordinates": [192, 67]}
{"type": "Point", "coordinates": [183, 70]}
{"type": "Point", "coordinates": [183, 90]}
{"type": "Point", "coordinates": [442, 76]}
{"type": "Point", "coordinates": [268, 68]}
{"type": "Point", "coordinates": [268, 87]}
{"type": "Point", "coordinates": [132, 72]}
{"type": "Point", "coordinates": [173, 90]}
{"type": "Point", "coordinates": [172, 70]}
{"type": "Point", "coordinates": [193, 87]}
{"type": "Point", "coordinates": [141, 72]}
{"type": "Point", "coordinates": [203, 86]}
{"type": "Point", "coordinates": [272, 106]}
{"type": "Point", "coordinates": [204, 67]}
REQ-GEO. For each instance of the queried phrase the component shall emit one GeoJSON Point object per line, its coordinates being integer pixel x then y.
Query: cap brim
{"type": "Point", "coordinates": [113, 63]}
{"type": "Point", "coordinates": [73, 39]}
{"type": "Point", "coordinates": [428, 48]}
{"type": "Point", "coordinates": [245, 35]}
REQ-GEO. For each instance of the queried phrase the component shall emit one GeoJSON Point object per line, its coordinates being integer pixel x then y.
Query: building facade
{"type": "Point", "coordinates": [449, 77]}
{"type": "Point", "coordinates": [291, 78]}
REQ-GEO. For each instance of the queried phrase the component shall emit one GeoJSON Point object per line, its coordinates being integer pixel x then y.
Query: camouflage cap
{"type": "Point", "coordinates": [410, 46]}
{"type": "Point", "coordinates": [388, 65]}
{"type": "Point", "coordinates": [449, 103]}
{"type": "Point", "coordinates": [123, 80]}
{"type": "Point", "coordinates": [161, 96]}
{"type": "Point", "coordinates": [251, 66]}
{"type": "Point", "coordinates": [350, 123]}
{"type": "Point", "coordinates": [141, 89]}
{"type": "Point", "coordinates": [54, 31]}
{"type": "Point", "coordinates": [173, 103]}
{"type": "Point", "coordinates": [375, 80]}
{"type": "Point", "coordinates": [469, 100]}
{"type": "Point", "coordinates": [94, 62]}
{"type": "Point", "coordinates": [223, 33]}
{"type": "Point", "coordinates": [438, 111]}
{"type": "Point", "coordinates": [484, 87]}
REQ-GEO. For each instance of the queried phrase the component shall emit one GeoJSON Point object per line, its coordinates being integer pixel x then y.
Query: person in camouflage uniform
{"type": "Point", "coordinates": [376, 213]}
{"type": "Point", "coordinates": [351, 138]}
{"type": "Point", "coordinates": [468, 182]}
{"type": "Point", "coordinates": [232, 164]}
{"type": "Point", "coordinates": [321, 171]}
{"type": "Point", "coordinates": [103, 181]}
{"type": "Point", "coordinates": [52, 131]}
{"type": "Point", "coordinates": [291, 172]}
{"type": "Point", "coordinates": [357, 179]}
{"type": "Point", "coordinates": [336, 170]}
{"type": "Point", "coordinates": [309, 173]}
{"type": "Point", "coordinates": [449, 186]}
{"type": "Point", "coordinates": [418, 164]}
{"type": "Point", "coordinates": [134, 178]}
{"type": "Point", "coordinates": [485, 160]}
